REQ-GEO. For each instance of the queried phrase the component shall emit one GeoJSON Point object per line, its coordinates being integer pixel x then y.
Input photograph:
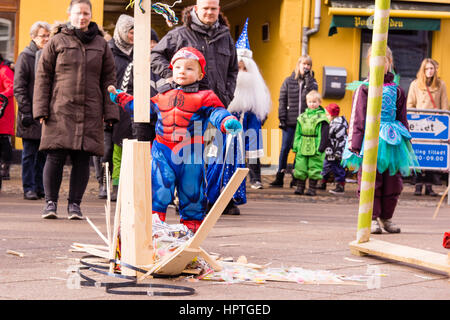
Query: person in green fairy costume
{"type": "Point", "coordinates": [310, 142]}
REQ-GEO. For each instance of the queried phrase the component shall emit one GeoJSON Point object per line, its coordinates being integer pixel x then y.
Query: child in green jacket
{"type": "Point", "coordinates": [310, 141]}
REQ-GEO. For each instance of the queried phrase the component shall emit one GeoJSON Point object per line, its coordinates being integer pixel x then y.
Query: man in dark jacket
{"type": "Point", "coordinates": [207, 30]}
{"type": "Point", "coordinates": [28, 129]}
{"type": "Point", "coordinates": [292, 103]}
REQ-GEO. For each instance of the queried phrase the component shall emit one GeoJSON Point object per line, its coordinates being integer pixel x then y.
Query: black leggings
{"type": "Point", "coordinates": [53, 173]}
{"type": "Point", "coordinates": [5, 148]}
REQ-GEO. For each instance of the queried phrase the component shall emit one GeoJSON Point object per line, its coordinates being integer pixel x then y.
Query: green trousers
{"type": "Point", "coordinates": [309, 166]}
{"type": "Point", "coordinates": [117, 160]}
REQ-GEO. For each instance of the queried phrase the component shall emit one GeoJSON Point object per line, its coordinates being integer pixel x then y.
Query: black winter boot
{"type": "Point", "coordinates": [312, 188]}
{"type": "Point", "coordinates": [339, 188]}
{"type": "Point", "coordinates": [4, 171]}
{"type": "Point", "coordinates": [322, 185]}
{"type": "Point", "coordinates": [102, 191]}
{"type": "Point", "coordinates": [114, 191]}
{"type": "Point", "coordinates": [293, 182]}
{"type": "Point", "coordinates": [232, 209]}
{"type": "Point", "coordinates": [278, 182]}
{"type": "Point", "coordinates": [429, 191]}
{"type": "Point", "coordinates": [300, 187]}
{"type": "Point", "coordinates": [418, 191]}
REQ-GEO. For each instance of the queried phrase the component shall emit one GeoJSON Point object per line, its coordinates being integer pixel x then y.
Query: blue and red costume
{"type": "Point", "coordinates": [182, 114]}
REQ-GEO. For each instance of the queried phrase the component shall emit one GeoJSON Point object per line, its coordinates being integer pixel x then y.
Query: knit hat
{"type": "Point", "coordinates": [189, 53]}
{"type": "Point", "coordinates": [154, 36]}
{"type": "Point", "coordinates": [333, 109]}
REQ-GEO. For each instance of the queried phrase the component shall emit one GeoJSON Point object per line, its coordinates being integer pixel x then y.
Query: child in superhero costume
{"type": "Point", "coordinates": [310, 141]}
{"type": "Point", "coordinates": [183, 109]}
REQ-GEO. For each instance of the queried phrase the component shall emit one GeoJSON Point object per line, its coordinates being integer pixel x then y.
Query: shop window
{"type": "Point", "coordinates": [409, 48]}
{"type": "Point", "coordinates": [7, 35]}
{"type": "Point", "coordinates": [265, 32]}
{"type": "Point", "coordinates": [237, 31]}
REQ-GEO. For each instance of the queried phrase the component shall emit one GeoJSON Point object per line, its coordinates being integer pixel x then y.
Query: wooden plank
{"type": "Point", "coordinates": [141, 61]}
{"type": "Point", "coordinates": [176, 263]}
{"type": "Point", "coordinates": [402, 253]}
{"type": "Point", "coordinates": [218, 207]}
{"type": "Point", "coordinates": [136, 208]}
{"type": "Point", "coordinates": [210, 260]}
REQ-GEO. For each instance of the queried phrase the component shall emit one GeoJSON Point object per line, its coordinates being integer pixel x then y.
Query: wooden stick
{"type": "Point", "coordinates": [440, 202]}
{"type": "Point", "coordinates": [108, 203]}
{"type": "Point", "coordinates": [98, 231]}
{"type": "Point", "coordinates": [15, 253]}
{"type": "Point", "coordinates": [112, 250]}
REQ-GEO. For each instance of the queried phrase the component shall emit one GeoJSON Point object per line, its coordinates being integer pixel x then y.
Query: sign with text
{"type": "Point", "coordinates": [427, 126]}
{"type": "Point", "coordinates": [431, 156]}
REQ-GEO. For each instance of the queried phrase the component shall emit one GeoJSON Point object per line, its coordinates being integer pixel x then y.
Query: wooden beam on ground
{"type": "Point", "coordinates": [177, 261]}
{"type": "Point", "coordinates": [141, 61]}
{"type": "Point", "coordinates": [418, 257]}
{"type": "Point", "coordinates": [136, 206]}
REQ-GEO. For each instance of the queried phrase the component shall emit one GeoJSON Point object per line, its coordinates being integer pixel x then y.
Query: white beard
{"type": "Point", "coordinates": [251, 94]}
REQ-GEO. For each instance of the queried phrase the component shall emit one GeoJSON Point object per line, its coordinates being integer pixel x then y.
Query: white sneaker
{"type": "Point", "coordinates": [389, 226]}
{"type": "Point", "coordinates": [375, 227]}
{"type": "Point", "coordinates": [257, 185]}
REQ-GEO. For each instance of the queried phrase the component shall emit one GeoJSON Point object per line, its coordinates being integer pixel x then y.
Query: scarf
{"type": "Point", "coordinates": [209, 29]}
{"type": "Point", "coordinates": [86, 36]}
{"type": "Point", "coordinates": [124, 24]}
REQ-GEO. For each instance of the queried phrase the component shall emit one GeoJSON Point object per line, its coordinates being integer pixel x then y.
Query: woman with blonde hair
{"type": "Point", "coordinates": [427, 92]}
{"type": "Point", "coordinates": [292, 103]}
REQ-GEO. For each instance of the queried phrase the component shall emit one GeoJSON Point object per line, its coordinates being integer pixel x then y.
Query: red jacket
{"type": "Point", "coordinates": [6, 88]}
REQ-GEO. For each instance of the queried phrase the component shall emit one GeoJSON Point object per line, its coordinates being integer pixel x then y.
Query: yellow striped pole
{"type": "Point", "coordinates": [369, 167]}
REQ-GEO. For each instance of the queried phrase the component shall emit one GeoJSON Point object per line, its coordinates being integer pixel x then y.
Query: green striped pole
{"type": "Point", "coordinates": [369, 167]}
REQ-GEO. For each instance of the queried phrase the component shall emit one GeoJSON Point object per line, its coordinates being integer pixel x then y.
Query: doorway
{"type": "Point", "coordinates": [409, 48]}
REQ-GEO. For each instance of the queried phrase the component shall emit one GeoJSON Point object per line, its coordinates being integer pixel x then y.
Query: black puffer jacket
{"type": "Point", "coordinates": [23, 92]}
{"type": "Point", "coordinates": [216, 45]}
{"type": "Point", "coordinates": [288, 110]}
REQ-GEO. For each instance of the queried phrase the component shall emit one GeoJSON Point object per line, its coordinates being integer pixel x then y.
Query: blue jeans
{"type": "Point", "coordinates": [287, 141]}
{"type": "Point", "coordinates": [33, 162]}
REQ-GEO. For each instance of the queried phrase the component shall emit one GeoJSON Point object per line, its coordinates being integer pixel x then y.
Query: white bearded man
{"type": "Point", "coordinates": [251, 105]}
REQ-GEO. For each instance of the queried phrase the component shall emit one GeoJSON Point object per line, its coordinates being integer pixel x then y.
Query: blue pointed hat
{"type": "Point", "coordinates": [242, 44]}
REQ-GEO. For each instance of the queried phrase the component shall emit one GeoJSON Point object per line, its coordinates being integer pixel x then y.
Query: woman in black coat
{"type": "Point", "coordinates": [292, 103]}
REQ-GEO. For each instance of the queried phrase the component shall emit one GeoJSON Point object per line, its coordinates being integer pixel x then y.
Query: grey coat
{"type": "Point", "coordinates": [216, 45]}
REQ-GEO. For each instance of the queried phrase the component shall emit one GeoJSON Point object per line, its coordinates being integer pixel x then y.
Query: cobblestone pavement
{"type": "Point", "coordinates": [276, 227]}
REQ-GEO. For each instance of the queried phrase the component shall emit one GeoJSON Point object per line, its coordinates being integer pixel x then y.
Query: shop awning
{"type": "Point", "coordinates": [395, 23]}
